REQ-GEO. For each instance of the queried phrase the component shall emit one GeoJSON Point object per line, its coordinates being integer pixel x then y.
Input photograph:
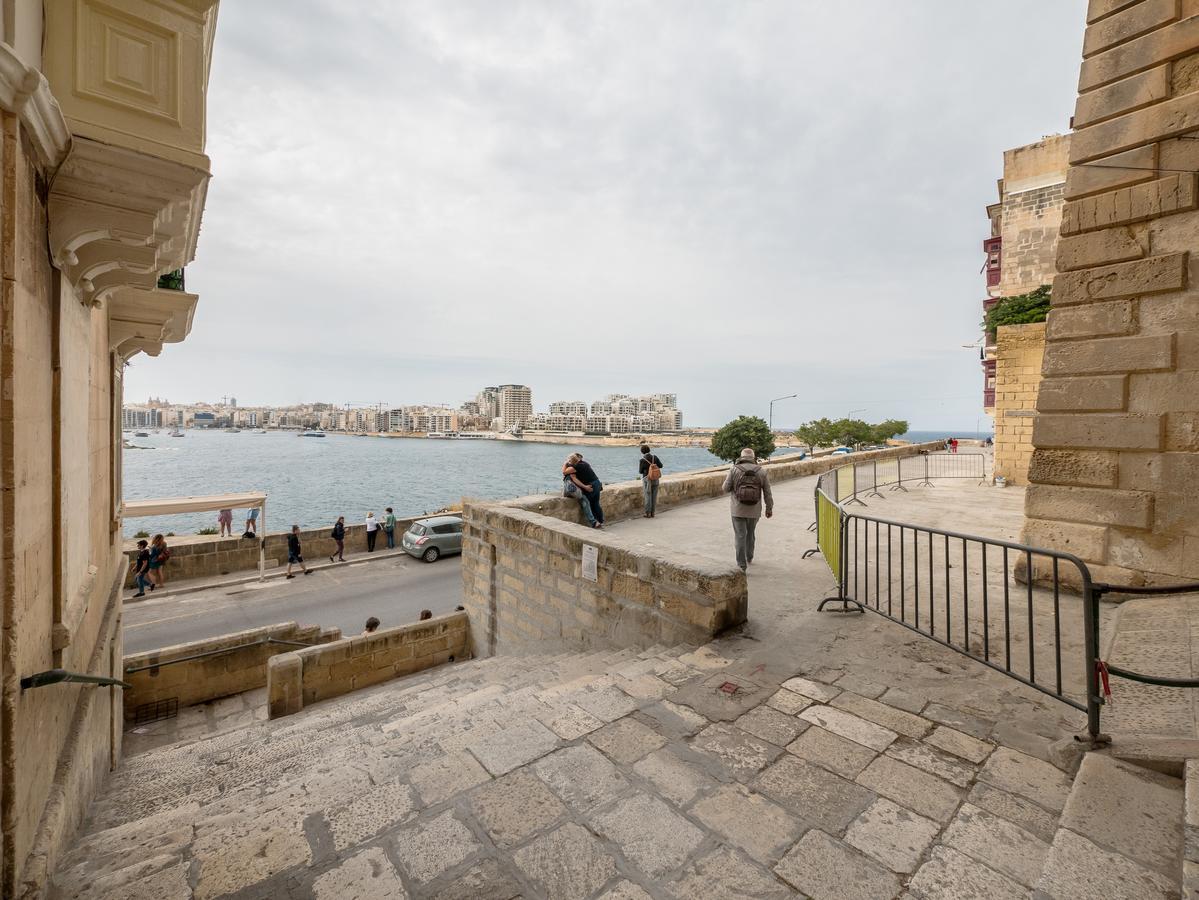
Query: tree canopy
{"type": "Point", "coordinates": [743, 431]}
{"type": "Point", "coordinates": [826, 432]}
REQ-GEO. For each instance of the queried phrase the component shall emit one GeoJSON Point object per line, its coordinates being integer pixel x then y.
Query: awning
{"type": "Point", "coordinates": [168, 506]}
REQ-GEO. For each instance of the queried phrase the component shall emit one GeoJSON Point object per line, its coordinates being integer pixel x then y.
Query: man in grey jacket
{"type": "Point", "coordinates": [750, 489]}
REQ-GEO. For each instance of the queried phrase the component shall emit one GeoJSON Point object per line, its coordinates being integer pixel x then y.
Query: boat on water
{"type": "Point", "coordinates": [314, 432]}
{"type": "Point", "coordinates": [141, 434]}
{"type": "Point", "coordinates": [259, 431]}
{"type": "Point", "coordinates": [232, 431]}
{"type": "Point", "coordinates": [176, 433]}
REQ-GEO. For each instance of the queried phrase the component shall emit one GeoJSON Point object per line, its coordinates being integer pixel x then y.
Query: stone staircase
{"type": "Point", "coordinates": [1120, 834]}
{"type": "Point", "coordinates": [670, 773]}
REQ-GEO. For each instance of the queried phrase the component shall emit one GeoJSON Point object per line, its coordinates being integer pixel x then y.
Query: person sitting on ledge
{"type": "Point", "coordinates": [372, 624]}
{"type": "Point", "coordinates": [426, 614]}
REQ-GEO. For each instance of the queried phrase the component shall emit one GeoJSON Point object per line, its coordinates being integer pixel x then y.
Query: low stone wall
{"type": "Point", "coordinates": [242, 666]}
{"type": "Point", "coordinates": [201, 556]}
{"type": "Point", "coordinates": [303, 677]}
{"type": "Point", "coordinates": [522, 569]}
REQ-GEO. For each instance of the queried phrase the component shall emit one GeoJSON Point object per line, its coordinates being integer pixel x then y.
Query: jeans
{"type": "Point", "coordinates": [143, 581]}
{"type": "Point", "coordinates": [593, 498]}
{"type": "Point", "coordinates": [585, 505]}
{"type": "Point", "coordinates": [391, 538]}
{"type": "Point", "coordinates": [650, 490]}
{"type": "Point", "coordinates": [371, 537]}
{"type": "Point", "coordinates": [341, 549]}
{"type": "Point", "coordinates": [743, 538]}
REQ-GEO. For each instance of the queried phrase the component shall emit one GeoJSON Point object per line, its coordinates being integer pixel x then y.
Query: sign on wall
{"type": "Point", "coordinates": [590, 562]}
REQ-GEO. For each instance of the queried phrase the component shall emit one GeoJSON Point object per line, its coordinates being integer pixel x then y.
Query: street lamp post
{"type": "Point", "coordinates": [774, 401]}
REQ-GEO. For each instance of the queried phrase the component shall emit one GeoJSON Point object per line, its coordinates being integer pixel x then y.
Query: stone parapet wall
{"type": "Point", "coordinates": [522, 568]}
{"type": "Point", "coordinates": [199, 671]}
{"type": "Point", "coordinates": [200, 556]}
{"type": "Point", "coordinates": [1116, 463]}
{"type": "Point", "coordinates": [1018, 357]}
{"type": "Point", "coordinates": [303, 677]}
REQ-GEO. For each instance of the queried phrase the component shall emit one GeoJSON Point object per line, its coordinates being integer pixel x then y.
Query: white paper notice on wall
{"type": "Point", "coordinates": [590, 562]}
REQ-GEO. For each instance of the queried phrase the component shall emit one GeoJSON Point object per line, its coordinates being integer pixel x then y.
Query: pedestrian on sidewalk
{"type": "Point", "coordinates": [251, 522]}
{"type": "Point", "coordinates": [372, 624]}
{"type": "Point", "coordinates": [224, 518]}
{"type": "Point", "coordinates": [580, 472]}
{"type": "Point", "coordinates": [372, 532]}
{"type": "Point", "coordinates": [141, 570]}
{"type": "Point", "coordinates": [339, 537]}
{"type": "Point", "coordinates": [650, 470]}
{"type": "Point", "coordinates": [159, 554]}
{"type": "Point", "coordinates": [294, 554]}
{"type": "Point", "coordinates": [750, 487]}
{"type": "Point", "coordinates": [953, 445]}
{"type": "Point", "coordinates": [389, 528]}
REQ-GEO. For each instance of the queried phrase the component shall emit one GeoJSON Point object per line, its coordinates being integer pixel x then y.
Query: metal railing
{"type": "Point", "coordinates": [218, 652]}
{"type": "Point", "coordinates": [1027, 612]}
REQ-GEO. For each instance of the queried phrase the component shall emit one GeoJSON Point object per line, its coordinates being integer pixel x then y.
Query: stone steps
{"type": "Point", "coordinates": [1120, 834]}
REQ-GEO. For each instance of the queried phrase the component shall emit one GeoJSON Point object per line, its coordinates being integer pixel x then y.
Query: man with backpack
{"type": "Point", "coordinates": [650, 470]}
{"type": "Point", "coordinates": [749, 487]}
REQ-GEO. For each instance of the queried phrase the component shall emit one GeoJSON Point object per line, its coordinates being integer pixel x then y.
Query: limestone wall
{"type": "Point", "coordinates": [201, 556]}
{"type": "Point", "coordinates": [184, 672]}
{"type": "Point", "coordinates": [1116, 466]}
{"type": "Point", "coordinates": [304, 677]}
{"type": "Point", "coordinates": [1033, 184]}
{"type": "Point", "coordinates": [1018, 357]}
{"type": "Point", "coordinates": [522, 569]}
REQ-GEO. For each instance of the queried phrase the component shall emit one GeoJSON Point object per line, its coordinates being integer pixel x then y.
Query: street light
{"type": "Point", "coordinates": [852, 411]}
{"type": "Point", "coordinates": [774, 401]}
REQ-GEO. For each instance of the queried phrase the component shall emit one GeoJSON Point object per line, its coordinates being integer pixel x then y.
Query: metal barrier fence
{"type": "Point", "coordinates": [1027, 612]}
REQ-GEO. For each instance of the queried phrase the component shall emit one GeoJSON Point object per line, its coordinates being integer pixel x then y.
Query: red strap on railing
{"type": "Point", "coordinates": [1104, 683]}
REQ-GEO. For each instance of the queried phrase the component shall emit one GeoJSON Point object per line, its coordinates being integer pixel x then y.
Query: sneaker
{"type": "Point", "coordinates": [308, 571]}
{"type": "Point", "coordinates": [139, 594]}
{"type": "Point", "coordinates": [152, 588]}
{"type": "Point", "coordinates": [291, 576]}
{"type": "Point", "coordinates": [331, 559]}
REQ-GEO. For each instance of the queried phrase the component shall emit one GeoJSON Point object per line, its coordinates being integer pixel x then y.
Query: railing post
{"type": "Point", "coordinates": [874, 477]}
{"type": "Point", "coordinates": [1090, 618]}
{"type": "Point", "coordinates": [925, 482]}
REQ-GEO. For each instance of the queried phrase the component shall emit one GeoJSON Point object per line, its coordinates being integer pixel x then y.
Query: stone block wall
{"type": "Point", "coordinates": [1115, 472]}
{"type": "Point", "coordinates": [199, 556]}
{"type": "Point", "coordinates": [304, 677]}
{"type": "Point", "coordinates": [1018, 357]}
{"type": "Point", "coordinates": [1033, 187]}
{"type": "Point", "coordinates": [240, 665]}
{"type": "Point", "coordinates": [524, 589]}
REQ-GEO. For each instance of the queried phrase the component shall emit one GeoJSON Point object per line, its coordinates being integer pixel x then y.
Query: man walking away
{"type": "Point", "coordinates": [339, 538]}
{"type": "Point", "coordinates": [141, 571]}
{"type": "Point", "coordinates": [749, 486]}
{"type": "Point", "coordinates": [389, 528]}
{"type": "Point", "coordinates": [294, 555]}
{"type": "Point", "coordinates": [650, 470]}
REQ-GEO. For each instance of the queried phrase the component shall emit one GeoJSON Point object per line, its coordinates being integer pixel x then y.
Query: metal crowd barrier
{"type": "Point", "coordinates": [1028, 612]}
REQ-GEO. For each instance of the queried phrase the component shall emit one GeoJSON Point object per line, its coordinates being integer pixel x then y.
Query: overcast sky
{"type": "Point", "coordinates": [730, 201]}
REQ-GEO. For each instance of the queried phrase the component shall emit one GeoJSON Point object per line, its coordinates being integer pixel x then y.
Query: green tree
{"type": "Point", "coordinates": [743, 431]}
{"type": "Point", "coordinates": [827, 432]}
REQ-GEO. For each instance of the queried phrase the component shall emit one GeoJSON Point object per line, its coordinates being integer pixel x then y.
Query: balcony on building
{"type": "Point", "coordinates": [993, 248]}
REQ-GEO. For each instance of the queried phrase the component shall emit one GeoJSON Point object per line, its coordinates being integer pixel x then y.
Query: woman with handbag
{"type": "Point", "coordinates": [573, 488]}
{"type": "Point", "coordinates": [650, 470]}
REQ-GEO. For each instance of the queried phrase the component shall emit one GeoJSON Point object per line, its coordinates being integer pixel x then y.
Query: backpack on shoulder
{"type": "Point", "coordinates": [653, 473]}
{"type": "Point", "coordinates": [748, 488]}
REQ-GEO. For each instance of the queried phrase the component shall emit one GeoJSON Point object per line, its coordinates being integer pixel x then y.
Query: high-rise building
{"type": "Point", "coordinates": [515, 403]}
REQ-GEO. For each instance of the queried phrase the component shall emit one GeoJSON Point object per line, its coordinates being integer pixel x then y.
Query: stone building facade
{"type": "Point", "coordinates": [1115, 472]}
{"type": "Point", "coordinates": [1019, 352]}
{"type": "Point", "coordinates": [102, 184]}
{"type": "Point", "coordinates": [1021, 256]}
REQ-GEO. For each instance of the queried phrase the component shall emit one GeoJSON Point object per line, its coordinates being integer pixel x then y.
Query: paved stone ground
{"type": "Point", "coordinates": [809, 754]}
{"type": "Point", "coordinates": [202, 720]}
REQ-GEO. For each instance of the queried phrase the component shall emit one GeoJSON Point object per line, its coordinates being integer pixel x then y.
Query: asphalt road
{"type": "Point", "coordinates": [394, 590]}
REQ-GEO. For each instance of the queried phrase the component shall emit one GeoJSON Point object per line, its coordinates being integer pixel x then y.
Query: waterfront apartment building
{"type": "Point", "coordinates": [1020, 257]}
{"type": "Point", "coordinates": [515, 405]}
{"type": "Point", "coordinates": [104, 176]}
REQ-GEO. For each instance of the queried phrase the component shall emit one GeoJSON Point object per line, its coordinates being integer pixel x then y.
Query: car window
{"type": "Point", "coordinates": [443, 529]}
{"type": "Point", "coordinates": [417, 528]}
{"type": "Point", "coordinates": [457, 528]}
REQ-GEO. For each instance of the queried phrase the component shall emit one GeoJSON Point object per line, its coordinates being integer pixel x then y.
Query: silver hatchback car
{"type": "Point", "coordinates": [434, 537]}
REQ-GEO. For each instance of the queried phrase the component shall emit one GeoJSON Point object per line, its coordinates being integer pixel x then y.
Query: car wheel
{"type": "Point", "coordinates": [431, 554]}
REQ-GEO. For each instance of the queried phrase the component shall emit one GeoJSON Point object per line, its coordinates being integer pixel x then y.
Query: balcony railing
{"type": "Point", "coordinates": [171, 281]}
{"type": "Point", "coordinates": [989, 398]}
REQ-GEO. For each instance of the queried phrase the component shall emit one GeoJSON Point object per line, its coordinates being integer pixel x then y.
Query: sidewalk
{"type": "Point", "coordinates": [191, 585]}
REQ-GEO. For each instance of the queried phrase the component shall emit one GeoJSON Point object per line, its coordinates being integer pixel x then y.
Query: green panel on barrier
{"type": "Point", "coordinates": [828, 533]}
{"type": "Point", "coordinates": [844, 482]}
